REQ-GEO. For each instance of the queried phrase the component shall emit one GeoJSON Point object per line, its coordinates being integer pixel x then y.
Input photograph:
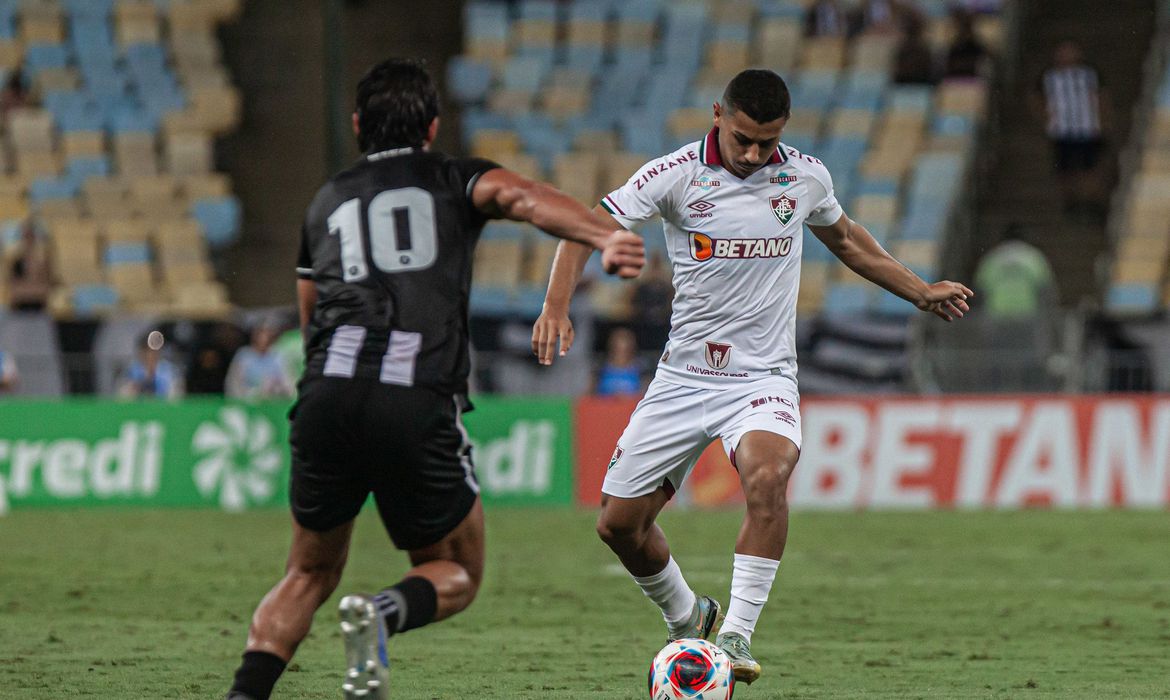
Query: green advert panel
{"type": "Point", "coordinates": [522, 449]}
{"type": "Point", "coordinates": [193, 453]}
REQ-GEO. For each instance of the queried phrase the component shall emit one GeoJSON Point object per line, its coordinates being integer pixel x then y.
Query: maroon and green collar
{"type": "Point", "coordinates": [709, 151]}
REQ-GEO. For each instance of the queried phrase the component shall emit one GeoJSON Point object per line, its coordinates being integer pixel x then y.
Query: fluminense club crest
{"type": "Point", "coordinates": [784, 207]}
{"type": "Point", "coordinates": [717, 354]}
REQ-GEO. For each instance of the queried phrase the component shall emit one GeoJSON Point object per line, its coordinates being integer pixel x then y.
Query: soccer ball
{"type": "Point", "coordinates": [691, 669]}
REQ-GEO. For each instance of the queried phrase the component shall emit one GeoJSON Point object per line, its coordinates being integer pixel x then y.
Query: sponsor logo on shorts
{"type": "Point", "coordinates": [665, 357]}
{"type": "Point", "coordinates": [717, 355]}
{"type": "Point", "coordinates": [704, 247]}
{"type": "Point", "coordinates": [713, 373]}
{"type": "Point", "coordinates": [705, 183]}
{"type": "Point", "coordinates": [765, 400]}
{"type": "Point", "coordinates": [784, 207]}
{"type": "Point", "coordinates": [702, 209]}
{"type": "Point", "coordinates": [617, 454]}
{"type": "Point", "coordinates": [786, 417]}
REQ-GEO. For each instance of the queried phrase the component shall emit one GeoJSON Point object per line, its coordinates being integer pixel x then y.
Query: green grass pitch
{"type": "Point", "coordinates": [122, 604]}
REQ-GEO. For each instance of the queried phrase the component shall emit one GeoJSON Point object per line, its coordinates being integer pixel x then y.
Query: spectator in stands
{"type": "Point", "coordinates": [14, 94]}
{"type": "Point", "coordinates": [8, 375]}
{"type": "Point", "coordinates": [1076, 108]}
{"type": "Point", "coordinates": [967, 55]}
{"type": "Point", "coordinates": [151, 375]}
{"type": "Point", "coordinates": [650, 303]}
{"type": "Point", "coordinates": [209, 363]}
{"type": "Point", "coordinates": [1014, 279]}
{"type": "Point", "coordinates": [914, 59]}
{"type": "Point", "coordinates": [290, 346]}
{"type": "Point", "coordinates": [257, 371]}
{"type": "Point", "coordinates": [621, 375]}
{"type": "Point", "coordinates": [825, 18]}
{"type": "Point", "coordinates": [30, 274]}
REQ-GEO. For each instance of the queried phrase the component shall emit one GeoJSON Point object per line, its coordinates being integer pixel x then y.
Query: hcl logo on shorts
{"type": "Point", "coordinates": [703, 247]}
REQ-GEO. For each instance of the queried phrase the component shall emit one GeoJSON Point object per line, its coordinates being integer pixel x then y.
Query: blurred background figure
{"type": "Point", "coordinates": [621, 375]}
{"type": "Point", "coordinates": [151, 375]}
{"type": "Point", "coordinates": [210, 360]}
{"type": "Point", "coordinates": [14, 94]}
{"type": "Point", "coordinates": [8, 374]}
{"type": "Point", "coordinates": [1076, 116]}
{"type": "Point", "coordinates": [967, 55]}
{"type": "Point", "coordinates": [914, 61]}
{"type": "Point", "coordinates": [650, 304]}
{"type": "Point", "coordinates": [1014, 280]}
{"type": "Point", "coordinates": [258, 370]}
{"type": "Point", "coordinates": [826, 18]}
{"type": "Point", "coordinates": [30, 273]}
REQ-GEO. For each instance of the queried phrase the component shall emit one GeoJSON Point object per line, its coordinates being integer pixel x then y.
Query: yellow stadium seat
{"type": "Point", "coordinates": [967, 97]}
{"type": "Point", "coordinates": [193, 187]}
{"type": "Point", "coordinates": [126, 231]}
{"type": "Point", "coordinates": [805, 121]}
{"type": "Point", "coordinates": [512, 102]}
{"type": "Point", "coordinates": [916, 253]}
{"type": "Point", "coordinates": [873, 52]}
{"type": "Point", "coordinates": [778, 44]}
{"type": "Point", "coordinates": [189, 153]}
{"type": "Point", "coordinates": [851, 122]}
{"type": "Point", "coordinates": [60, 79]}
{"type": "Point", "coordinates": [538, 261]}
{"type": "Point", "coordinates": [41, 28]}
{"type": "Point", "coordinates": [181, 274]}
{"type": "Point", "coordinates": [586, 33]}
{"type": "Point", "coordinates": [534, 32]}
{"type": "Point", "coordinates": [57, 209]}
{"type": "Point", "coordinates": [492, 143]}
{"type": "Point", "coordinates": [135, 154]}
{"type": "Point", "coordinates": [562, 102]}
{"type": "Point", "coordinates": [31, 129]}
{"type": "Point", "coordinates": [11, 53]}
{"type": "Point", "coordinates": [634, 33]}
{"type": "Point", "coordinates": [204, 299]}
{"type": "Point", "coordinates": [522, 163]}
{"type": "Point", "coordinates": [874, 208]}
{"type": "Point", "coordinates": [83, 144]}
{"type": "Point", "coordinates": [37, 164]}
{"type": "Point", "coordinates": [72, 231]}
{"type": "Point", "coordinates": [13, 207]}
{"type": "Point", "coordinates": [814, 278]}
{"type": "Point", "coordinates": [497, 263]}
{"type": "Point", "coordinates": [689, 123]}
{"type": "Point", "coordinates": [1144, 270]}
{"type": "Point", "coordinates": [188, 17]}
{"type": "Point", "coordinates": [728, 57]}
{"type": "Point", "coordinates": [823, 53]}
{"type": "Point", "coordinates": [13, 186]}
{"type": "Point", "coordinates": [181, 233]}
{"type": "Point", "coordinates": [137, 31]}
{"type": "Point", "coordinates": [577, 174]}
{"type": "Point", "coordinates": [134, 282]}
{"type": "Point", "coordinates": [595, 140]}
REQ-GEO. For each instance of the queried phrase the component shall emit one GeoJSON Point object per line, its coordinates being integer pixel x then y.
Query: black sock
{"type": "Point", "coordinates": [257, 675]}
{"type": "Point", "coordinates": [408, 604]}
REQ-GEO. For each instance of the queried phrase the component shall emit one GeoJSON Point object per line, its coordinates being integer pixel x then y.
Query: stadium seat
{"type": "Point", "coordinates": [220, 219]}
{"type": "Point", "coordinates": [90, 299]}
{"type": "Point", "coordinates": [1131, 299]}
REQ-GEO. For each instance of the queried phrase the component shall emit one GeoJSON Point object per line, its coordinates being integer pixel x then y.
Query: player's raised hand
{"type": "Point", "coordinates": [947, 300]}
{"type": "Point", "coordinates": [624, 254]}
{"type": "Point", "coordinates": [550, 327]}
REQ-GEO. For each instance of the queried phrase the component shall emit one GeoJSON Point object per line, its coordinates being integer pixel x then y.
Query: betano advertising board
{"type": "Point", "coordinates": [993, 452]}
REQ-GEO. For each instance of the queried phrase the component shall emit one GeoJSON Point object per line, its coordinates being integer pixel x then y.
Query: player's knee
{"type": "Point", "coordinates": [766, 488]}
{"type": "Point", "coordinates": [616, 531]}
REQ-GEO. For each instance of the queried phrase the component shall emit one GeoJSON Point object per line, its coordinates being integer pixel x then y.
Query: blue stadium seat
{"type": "Point", "coordinates": [95, 9]}
{"type": "Point", "coordinates": [847, 300]}
{"type": "Point", "coordinates": [814, 250]}
{"type": "Point", "coordinates": [486, 20]}
{"type": "Point", "coordinates": [641, 133]}
{"type": "Point", "coordinates": [81, 169]}
{"type": "Point", "coordinates": [92, 298]}
{"type": "Point", "coordinates": [128, 118]}
{"type": "Point", "coordinates": [490, 300]}
{"type": "Point", "coordinates": [791, 9]}
{"type": "Point", "coordinates": [45, 189]}
{"type": "Point", "coordinates": [220, 219]}
{"type": "Point", "coordinates": [500, 230]}
{"type": "Point", "coordinates": [126, 254]}
{"type": "Point", "coordinates": [38, 57]}
{"type": "Point", "coordinates": [892, 305]}
{"type": "Point", "coordinates": [590, 10]}
{"type": "Point", "coordinates": [732, 32]}
{"type": "Point", "coordinates": [525, 73]}
{"type": "Point", "coordinates": [586, 58]}
{"type": "Point", "coordinates": [468, 80]}
{"type": "Point", "coordinates": [537, 10]}
{"type": "Point", "coordinates": [474, 119]}
{"type": "Point", "coordinates": [954, 125]}
{"type": "Point", "coordinates": [638, 11]}
{"type": "Point", "coordinates": [1131, 299]}
{"type": "Point", "coordinates": [910, 98]}
{"type": "Point", "coordinates": [888, 188]}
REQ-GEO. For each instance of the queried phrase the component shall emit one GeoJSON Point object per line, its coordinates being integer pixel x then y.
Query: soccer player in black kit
{"type": "Point", "coordinates": [385, 274]}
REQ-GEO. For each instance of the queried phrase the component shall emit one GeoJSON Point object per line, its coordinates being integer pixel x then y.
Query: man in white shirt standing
{"type": "Point", "coordinates": [733, 206]}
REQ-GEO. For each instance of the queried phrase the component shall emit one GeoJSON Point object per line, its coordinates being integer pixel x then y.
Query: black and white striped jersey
{"type": "Point", "coordinates": [389, 245]}
{"type": "Point", "coordinates": [1071, 95]}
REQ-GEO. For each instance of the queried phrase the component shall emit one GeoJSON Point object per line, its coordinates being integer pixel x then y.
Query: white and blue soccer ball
{"type": "Point", "coordinates": [691, 669]}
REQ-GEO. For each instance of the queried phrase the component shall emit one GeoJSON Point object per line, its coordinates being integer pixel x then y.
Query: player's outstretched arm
{"type": "Point", "coordinates": [553, 324]}
{"type": "Point", "coordinates": [855, 247]}
{"type": "Point", "coordinates": [503, 193]}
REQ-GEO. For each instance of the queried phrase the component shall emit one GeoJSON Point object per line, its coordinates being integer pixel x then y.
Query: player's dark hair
{"type": "Point", "coordinates": [396, 103]}
{"type": "Point", "coordinates": [760, 94]}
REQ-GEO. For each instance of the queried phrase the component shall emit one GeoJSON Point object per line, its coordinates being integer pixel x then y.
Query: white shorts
{"type": "Point", "coordinates": [673, 424]}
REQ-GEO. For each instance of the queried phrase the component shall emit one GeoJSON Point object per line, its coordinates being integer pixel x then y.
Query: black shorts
{"type": "Point", "coordinates": [406, 445]}
{"type": "Point", "coordinates": [1076, 154]}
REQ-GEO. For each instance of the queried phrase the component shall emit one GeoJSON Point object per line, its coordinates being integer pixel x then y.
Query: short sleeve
{"type": "Point", "coordinates": [647, 194]}
{"type": "Point", "coordinates": [304, 258]}
{"type": "Point", "coordinates": [468, 172]}
{"type": "Point", "coordinates": [827, 210]}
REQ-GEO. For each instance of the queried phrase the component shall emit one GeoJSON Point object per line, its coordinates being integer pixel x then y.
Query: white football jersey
{"type": "Point", "coordinates": [735, 247]}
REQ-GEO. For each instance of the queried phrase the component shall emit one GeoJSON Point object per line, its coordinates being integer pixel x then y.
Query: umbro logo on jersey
{"type": "Point", "coordinates": [786, 417]}
{"type": "Point", "coordinates": [717, 355]}
{"type": "Point", "coordinates": [702, 209]}
{"type": "Point", "coordinates": [784, 207]}
{"type": "Point", "coordinates": [703, 247]}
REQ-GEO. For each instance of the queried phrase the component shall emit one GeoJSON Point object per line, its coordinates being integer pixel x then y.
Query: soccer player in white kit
{"type": "Point", "coordinates": [733, 206]}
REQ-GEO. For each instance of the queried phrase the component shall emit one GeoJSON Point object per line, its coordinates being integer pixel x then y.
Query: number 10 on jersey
{"type": "Point", "coordinates": [401, 226]}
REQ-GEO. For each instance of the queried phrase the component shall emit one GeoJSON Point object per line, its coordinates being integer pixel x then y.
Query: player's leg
{"type": "Point", "coordinates": [765, 461]}
{"type": "Point", "coordinates": [283, 618]}
{"type": "Point", "coordinates": [658, 448]}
